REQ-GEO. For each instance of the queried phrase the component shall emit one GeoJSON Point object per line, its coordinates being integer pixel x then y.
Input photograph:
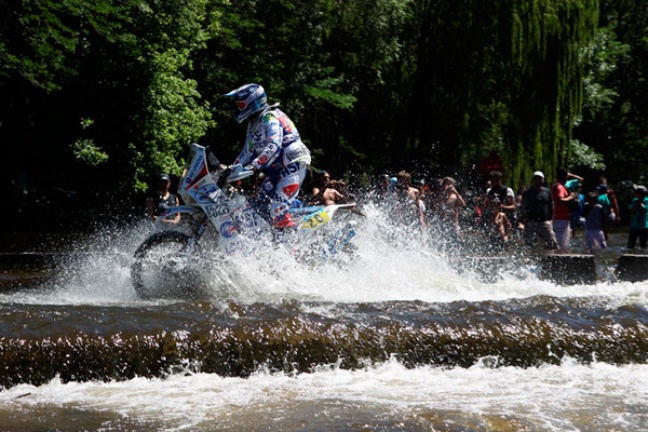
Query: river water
{"type": "Point", "coordinates": [393, 339]}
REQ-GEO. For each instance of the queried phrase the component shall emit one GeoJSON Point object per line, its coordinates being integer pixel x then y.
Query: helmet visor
{"type": "Point", "coordinates": [241, 104]}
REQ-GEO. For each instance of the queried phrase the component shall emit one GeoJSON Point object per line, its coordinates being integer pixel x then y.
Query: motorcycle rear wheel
{"type": "Point", "coordinates": [162, 267]}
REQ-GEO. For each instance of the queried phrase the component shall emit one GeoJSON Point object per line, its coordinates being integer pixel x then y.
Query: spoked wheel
{"type": "Point", "coordinates": [165, 267]}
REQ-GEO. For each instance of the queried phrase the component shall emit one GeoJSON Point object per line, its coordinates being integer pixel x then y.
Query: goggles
{"type": "Point", "coordinates": [242, 104]}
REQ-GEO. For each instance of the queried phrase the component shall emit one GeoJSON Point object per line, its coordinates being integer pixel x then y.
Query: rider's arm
{"type": "Point", "coordinates": [247, 154]}
{"type": "Point", "coordinates": [273, 145]}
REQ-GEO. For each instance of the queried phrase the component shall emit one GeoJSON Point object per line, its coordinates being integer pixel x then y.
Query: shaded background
{"type": "Point", "coordinates": [97, 98]}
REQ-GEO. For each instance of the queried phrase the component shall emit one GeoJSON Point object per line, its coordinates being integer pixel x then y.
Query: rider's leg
{"type": "Point", "coordinates": [261, 202]}
{"type": "Point", "coordinates": [285, 192]}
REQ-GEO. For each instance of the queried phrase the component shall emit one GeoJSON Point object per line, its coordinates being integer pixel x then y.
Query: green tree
{"type": "Point", "coordinates": [499, 76]}
{"type": "Point", "coordinates": [616, 90]}
{"type": "Point", "coordinates": [123, 66]}
{"type": "Point", "coordinates": [312, 56]}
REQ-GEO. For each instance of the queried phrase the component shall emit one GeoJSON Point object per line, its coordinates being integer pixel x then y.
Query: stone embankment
{"type": "Point", "coordinates": [568, 269]}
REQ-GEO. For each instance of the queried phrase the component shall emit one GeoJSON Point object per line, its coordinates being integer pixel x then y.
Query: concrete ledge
{"type": "Point", "coordinates": [28, 260]}
{"type": "Point", "coordinates": [632, 268]}
{"type": "Point", "coordinates": [487, 268]}
{"type": "Point", "coordinates": [42, 260]}
{"type": "Point", "coordinates": [568, 269]}
{"type": "Point", "coordinates": [559, 269]}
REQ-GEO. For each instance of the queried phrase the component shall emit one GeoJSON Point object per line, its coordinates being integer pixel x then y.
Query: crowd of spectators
{"type": "Point", "coordinates": [546, 215]}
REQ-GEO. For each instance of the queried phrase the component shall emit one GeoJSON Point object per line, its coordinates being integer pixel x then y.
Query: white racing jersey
{"type": "Point", "coordinates": [272, 142]}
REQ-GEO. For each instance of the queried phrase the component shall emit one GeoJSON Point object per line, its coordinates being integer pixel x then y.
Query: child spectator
{"type": "Point", "coordinates": [595, 218]}
{"type": "Point", "coordinates": [381, 192]}
{"type": "Point", "coordinates": [638, 218]}
{"type": "Point", "coordinates": [504, 193]}
{"type": "Point", "coordinates": [576, 207]}
{"type": "Point", "coordinates": [498, 225]}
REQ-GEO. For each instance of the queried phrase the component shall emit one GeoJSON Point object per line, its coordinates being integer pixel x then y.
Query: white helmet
{"type": "Point", "coordinates": [249, 99]}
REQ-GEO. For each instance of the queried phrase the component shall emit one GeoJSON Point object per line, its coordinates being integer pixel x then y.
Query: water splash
{"type": "Point", "coordinates": [389, 263]}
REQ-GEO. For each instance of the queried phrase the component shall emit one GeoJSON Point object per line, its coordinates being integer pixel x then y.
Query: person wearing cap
{"type": "Point", "coordinates": [561, 198]}
{"type": "Point", "coordinates": [536, 213]}
{"type": "Point", "coordinates": [272, 146]}
{"type": "Point", "coordinates": [162, 200]}
{"type": "Point", "coordinates": [638, 218]}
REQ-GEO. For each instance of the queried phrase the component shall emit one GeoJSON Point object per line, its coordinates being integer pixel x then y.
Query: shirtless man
{"type": "Point", "coordinates": [408, 208]}
{"type": "Point", "coordinates": [331, 195]}
{"type": "Point", "coordinates": [450, 201]}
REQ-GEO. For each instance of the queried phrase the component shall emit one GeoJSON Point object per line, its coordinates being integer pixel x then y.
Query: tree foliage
{"type": "Point", "coordinates": [118, 89]}
{"type": "Point", "coordinates": [124, 65]}
{"type": "Point", "coordinates": [615, 109]}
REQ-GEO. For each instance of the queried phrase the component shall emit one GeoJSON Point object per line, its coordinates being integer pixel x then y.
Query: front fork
{"type": "Point", "coordinates": [197, 234]}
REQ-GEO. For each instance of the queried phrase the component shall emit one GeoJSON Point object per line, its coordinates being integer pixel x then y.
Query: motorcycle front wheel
{"type": "Point", "coordinates": [165, 267]}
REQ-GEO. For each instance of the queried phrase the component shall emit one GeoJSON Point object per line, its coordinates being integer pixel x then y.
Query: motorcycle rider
{"type": "Point", "coordinates": [273, 147]}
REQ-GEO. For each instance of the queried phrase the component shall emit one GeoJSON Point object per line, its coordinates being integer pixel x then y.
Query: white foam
{"type": "Point", "coordinates": [561, 397]}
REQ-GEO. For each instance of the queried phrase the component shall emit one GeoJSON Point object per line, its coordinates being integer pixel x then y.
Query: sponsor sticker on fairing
{"type": "Point", "coordinates": [196, 170]}
{"type": "Point", "coordinates": [207, 193]}
{"type": "Point", "coordinates": [215, 211]}
{"type": "Point", "coordinates": [227, 229]}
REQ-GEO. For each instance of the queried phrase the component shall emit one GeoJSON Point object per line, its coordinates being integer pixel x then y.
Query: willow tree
{"type": "Point", "coordinates": [546, 40]}
{"type": "Point", "coordinates": [501, 75]}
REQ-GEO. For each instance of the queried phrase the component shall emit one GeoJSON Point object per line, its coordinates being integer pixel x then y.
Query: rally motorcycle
{"type": "Point", "coordinates": [165, 263]}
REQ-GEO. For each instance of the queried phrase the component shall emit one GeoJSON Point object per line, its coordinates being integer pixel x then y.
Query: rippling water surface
{"type": "Point", "coordinates": [394, 339]}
